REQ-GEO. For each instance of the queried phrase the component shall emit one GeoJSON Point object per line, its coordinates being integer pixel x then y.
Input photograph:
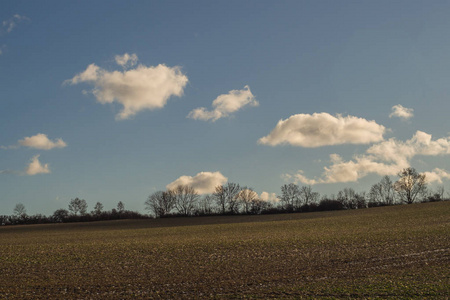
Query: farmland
{"type": "Point", "coordinates": [399, 251]}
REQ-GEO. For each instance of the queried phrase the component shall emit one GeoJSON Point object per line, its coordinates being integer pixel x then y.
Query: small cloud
{"type": "Point", "coordinates": [436, 175]}
{"type": "Point", "coordinates": [35, 167]}
{"type": "Point", "coordinates": [42, 142]}
{"type": "Point", "coordinates": [142, 88]}
{"type": "Point", "coordinates": [401, 112]}
{"type": "Point", "coordinates": [203, 182]}
{"type": "Point", "coordinates": [269, 197]}
{"type": "Point", "coordinates": [126, 60]}
{"type": "Point", "coordinates": [323, 129]}
{"type": "Point", "coordinates": [11, 23]}
{"type": "Point", "coordinates": [224, 105]}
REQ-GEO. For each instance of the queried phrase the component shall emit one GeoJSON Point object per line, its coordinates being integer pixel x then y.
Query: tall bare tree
{"type": "Point", "coordinates": [247, 197]}
{"type": "Point", "coordinates": [160, 203]}
{"type": "Point", "coordinates": [307, 196]}
{"type": "Point", "coordinates": [185, 199]}
{"type": "Point", "coordinates": [20, 210]}
{"type": "Point", "coordinates": [290, 196]}
{"type": "Point", "coordinates": [383, 191]}
{"type": "Point", "coordinates": [410, 185]}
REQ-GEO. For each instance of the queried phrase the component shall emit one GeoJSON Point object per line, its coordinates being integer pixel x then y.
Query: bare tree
{"type": "Point", "coordinates": [160, 203]}
{"type": "Point", "coordinates": [247, 197]}
{"type": "Point", "coordinates": [290, 196]}
{"type": "Point", "coordinates": [20, 210]}
{"type": "Point", "coordinates": [307, 196]}
{"type": "Point", "coordinates": [410, 185]}
{"type": "Point", "coordinates": [185, 199]}
{"type": "Point", "coordinates": [78, 206]}
{"type": "Point", "coordinates": [382, 192]}
{"type": "Point", "coordinates": [120, 207]}
{"type": "Point", "coordinates": [205, 204]}
{"type": "Point", "coordinates": [226, 197]}
{"type": "Point", "coordinates": [440, 190]}
{"type": "Point", "coordinates": [98, 208]}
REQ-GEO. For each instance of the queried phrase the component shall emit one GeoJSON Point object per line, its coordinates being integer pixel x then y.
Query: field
{"type": "Point", "coordinates": [398, 252]}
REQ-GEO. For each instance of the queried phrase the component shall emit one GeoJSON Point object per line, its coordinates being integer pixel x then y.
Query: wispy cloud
{"type": "Point", "coordinates": [225, 105]}
{"type": "Point", "coordinates": [142, 88]}
{"type": "Point", "coordinates": [401, 112]}
{"type": "Point", "coordinates": [11, 23]}
{"type": "Point", "coordinates": [203, 182]}
{"type": "Point", "coordinates": [385, 158]}
{"type": "Point", "coordinates": [126, 60]}
{"type": "Point", "coordinates": [323, 129]}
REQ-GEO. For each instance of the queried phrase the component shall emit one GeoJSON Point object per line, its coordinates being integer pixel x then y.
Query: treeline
{"type": "Point", "coordinates": [233, 199]}
{"type": "Point", "coordinates": [76, 212]}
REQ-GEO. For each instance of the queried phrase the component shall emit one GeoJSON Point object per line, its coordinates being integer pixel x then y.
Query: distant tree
{"type": "Point", "coordinates": [78, 206]}
{"type": "Point", "coordinates": [185, 199]}
{"type": "Point", "coordinates": [120, 207]}
{"type": "Point", "coordinates": [98, 208]}
{"type": "Point", "coordinates": [440, 190]}
{"type": "Point", "coordinates": [307, 196]}
{"type": "Point", "coordinates": [248, 198]}
{"type": "Point", "coordinates": [60, 215]}
{"type": "Point", "coordinates": [410, 185]}
{"type": "Point", "coordinates": [347, 198]}
{"type": "Point", "coordinates": [382, 192]}
{"type": "Point", "coordinates": [205, 204]}
{"type": "Point", "coordinates": [290, 196]}
{"type": "Point", "coordinates": [160, 203]}
{"type": "Point", "coordinates": [20, 211]}
{"type": "Point", "coordinates": [226, 197]}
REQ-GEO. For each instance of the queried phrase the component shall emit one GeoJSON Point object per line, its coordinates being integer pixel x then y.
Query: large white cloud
{"type": "Point", "coordinates": [323, 129]}
{"type": "Point", "coordinates": [224, 105]}
{"type": "Point", "coordinates": [203, 182]}
{"type": "Point", "coordinates": [35, 167]}
{"type": "Point", "coordinates": [41, 141]}
{"type": "Point", "coordinates": [385, 158]}
{"type": "Point", "coordinates": [142, 88]}
{"type": "Point", "coordinates": [401, 112]}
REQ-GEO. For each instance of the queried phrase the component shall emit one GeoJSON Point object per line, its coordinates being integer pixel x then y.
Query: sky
{"type": "Point", "coordinates": [113, 100]}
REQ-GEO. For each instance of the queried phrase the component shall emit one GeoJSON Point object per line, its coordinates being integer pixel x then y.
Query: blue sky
{"type": "Point", "coordinates": [332, 71]}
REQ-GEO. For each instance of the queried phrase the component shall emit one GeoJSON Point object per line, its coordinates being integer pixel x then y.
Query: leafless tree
{"type": "Point", "coordinates": [20, 210]}
{"type": "Point", "coordinates": [410, 184]}
{"type": "Point", "coordinates": [78, 205]}
{"type": "Point", "coordinates": [185, 199]}
{"type": "Point", "coordinates": [382, 192]}
{"type": "Point", "coordinates": [247, 197]}
{"type": "Point", "coordinates": [160, 203]}
{"type": "Point", "coordinates": [98, 208]}
{"type": "Point", "coordinates": [290, 196]}
{"type": "Point", "coordinates": [226, 197]}
{"type": "Point", "coordinates": [205, 204]}
{"type": "Point", "coordinates": [307, 196]}
{"type": "Point", "coordinates": [120, 207]}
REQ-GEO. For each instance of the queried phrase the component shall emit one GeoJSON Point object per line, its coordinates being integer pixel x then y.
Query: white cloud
{"type": "Point", "coordinates": [225, 105]}
{"type": "Point", "coordinates": [41, 141]}
{"type": "Point", "coordinates": [203, 182]}
{"type": "Point", "coordinates": [35, 167]}
{"type": "Point", "coordinates": [436, 175]}
{"type": "Point", "coordinates": [385, 158]}
{"type": "Point", "coordinates": [126, 60]}
{"type": "Point", "coordinates": [401, 112]}
{"type": "Point", "coordinates": [323, 129]}
{"type": "Point", "coordinates": [269, 197]}
{"type": "Point", "coordinates": [142, 88]}
{"type": "Point", "coordinates": [11, 23]}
